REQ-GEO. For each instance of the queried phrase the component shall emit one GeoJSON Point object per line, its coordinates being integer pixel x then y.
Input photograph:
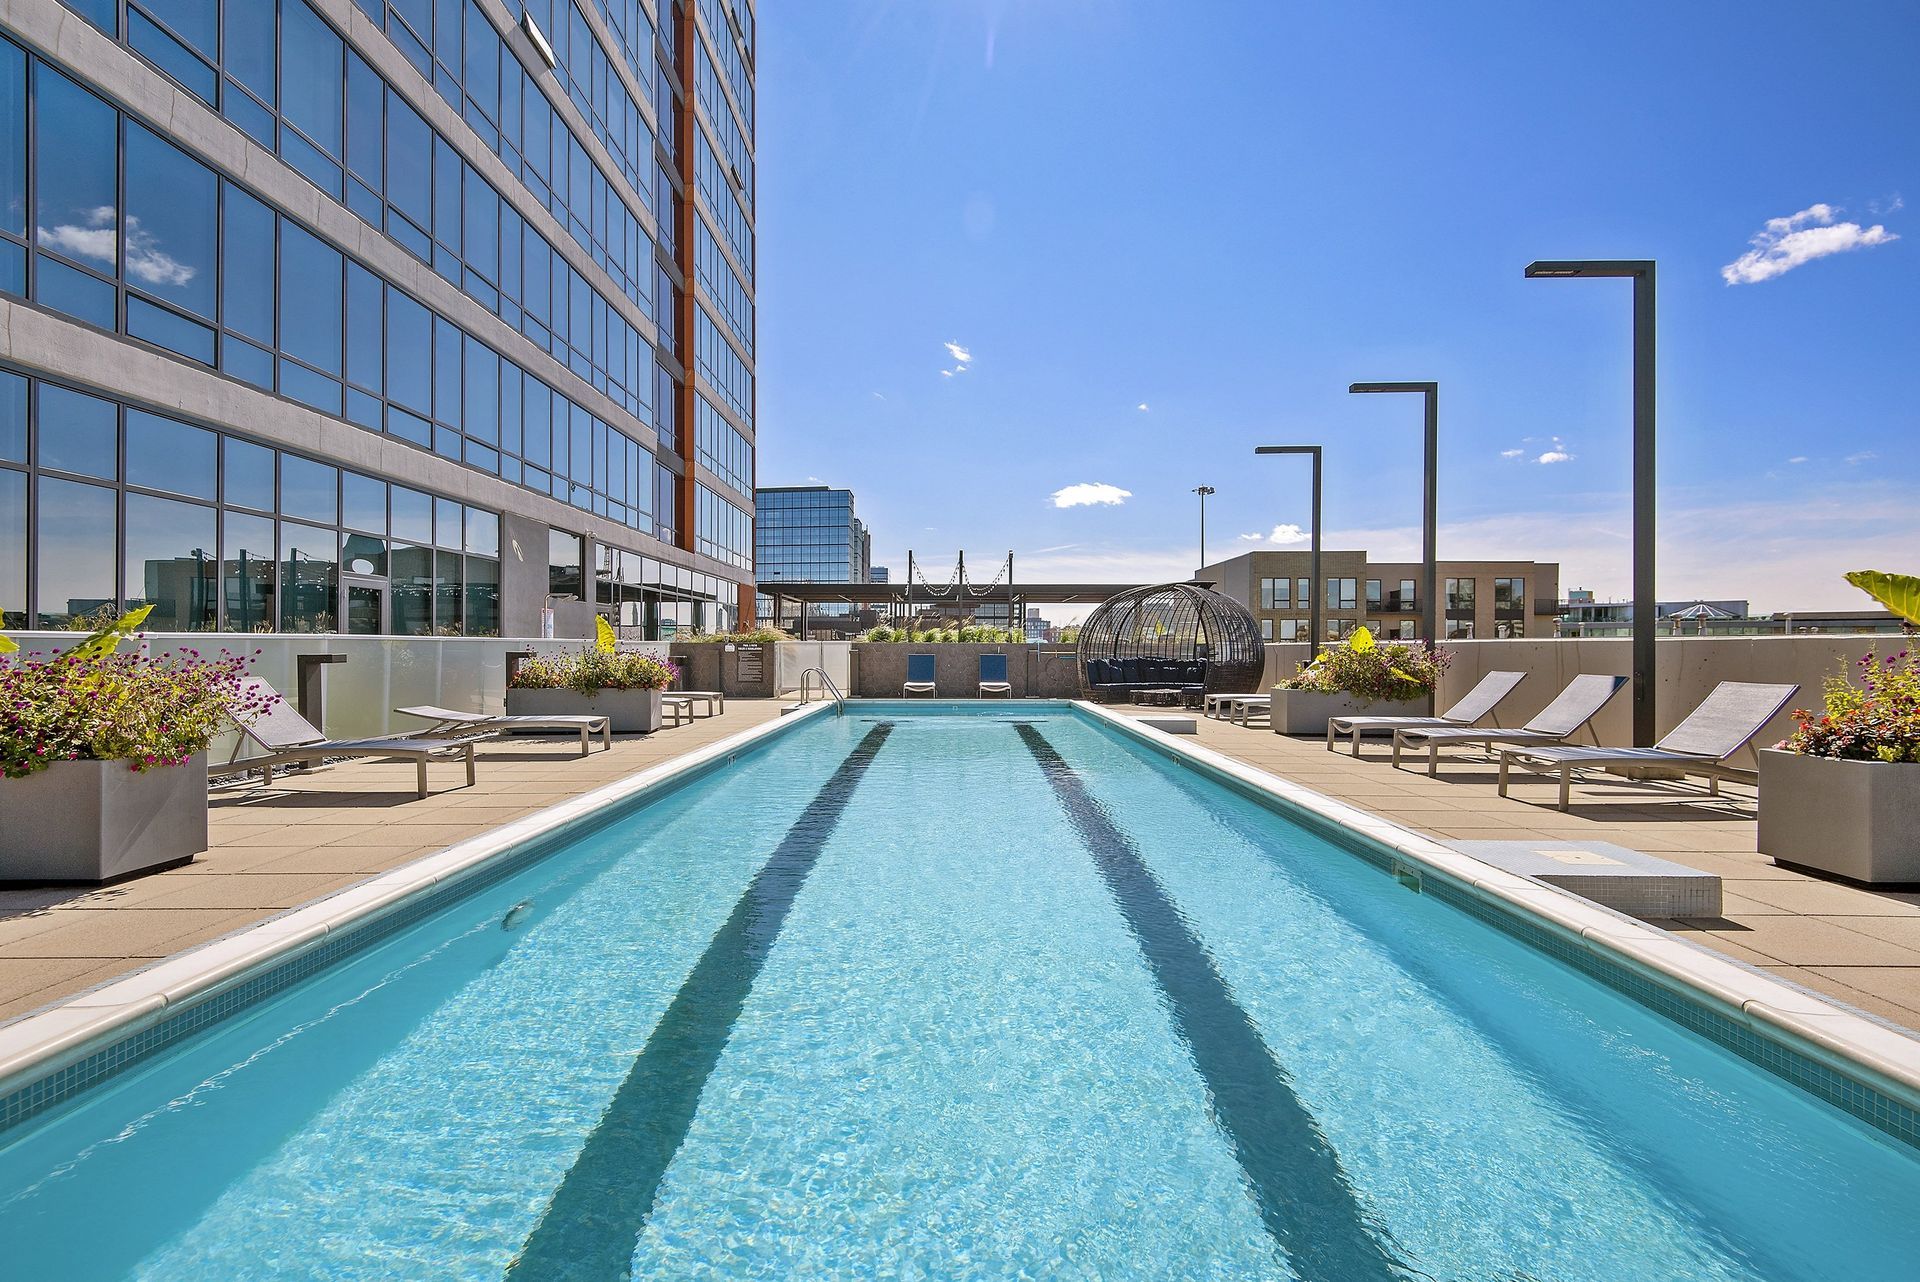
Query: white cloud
{"type": "Point", "coordinates": [1088, 494]}
{"type": "Point", "coordinates": [1283, 535]}
{"type": "Point", "coordinates": [1554, 456]}
{"type": "Point", "coordinates": [1864, 456]}
{"type": "Point", "coordinates": [962, 358]}
{"type": "Point", "coordinates": [1511, 453]}
{"type": "Point", "coordinates": [1142, 406]}
{"type": "Point", "coordinates": [98, 240]}
{"type": "Point", "coordinates": [1798, 458]}
{"type": "Point", "coordinates": [1786, 243]}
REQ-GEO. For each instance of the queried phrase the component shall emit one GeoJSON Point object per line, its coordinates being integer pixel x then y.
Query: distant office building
{"type": "Point", "coordinates": [878, 574]}
{"type": "Point", "coordinates": [809, 534]}
{"type": "Point", "coordinates": [1037, 628]}
{"type": "Point", "coordinates": [383, 317]}
{"type": "Point", "coordinates": [1479, 598]}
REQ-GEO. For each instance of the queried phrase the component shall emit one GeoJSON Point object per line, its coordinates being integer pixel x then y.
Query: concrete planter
{"type": "Point", "coordinates": [1307, 711]}
{"type": "Point", "coordinates": [1856, 819]}
{"type": "Point", "coordinates": [99, 821]}
{"type": "Point", "coordinates": [630, 711]}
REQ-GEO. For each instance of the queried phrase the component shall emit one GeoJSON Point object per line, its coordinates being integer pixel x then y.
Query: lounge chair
{"type": "Point", "coordinates": [447, 721]}
{"type": "Point", "coordinates": [1725, 722]}
{"type": "Point", "coordinates": [919, 675]}
{"type": "Point", "coordinates": [1572, 708]}
{"type": "Point", "coordinates": [1477, 703]}
{"type": "Point", "coordinates": [289, 737]}
{"type": "Point", "coordinates": [993, 676]}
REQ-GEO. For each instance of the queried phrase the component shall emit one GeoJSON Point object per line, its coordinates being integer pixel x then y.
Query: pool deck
{"type": "Point", "coordinates": [309, 836]}
{"type": "Point", "coordinates": [306, 837]}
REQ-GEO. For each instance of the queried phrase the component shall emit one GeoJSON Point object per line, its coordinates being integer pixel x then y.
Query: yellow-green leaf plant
{"type": "Point", "coordinates": [1898, 592]}
{"type": "Point", "coordinates": [605, 639]}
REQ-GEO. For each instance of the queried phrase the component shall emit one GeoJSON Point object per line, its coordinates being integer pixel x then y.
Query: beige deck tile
{"type": "Point", "coordinates": [1818, 941]}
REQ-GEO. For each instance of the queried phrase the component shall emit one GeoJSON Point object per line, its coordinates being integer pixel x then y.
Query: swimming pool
{"type": "Point", "coordinates": [953, 992]}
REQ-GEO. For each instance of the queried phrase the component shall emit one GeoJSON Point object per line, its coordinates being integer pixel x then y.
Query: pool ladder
{"type": "Point", "coordinates": [827, 687]}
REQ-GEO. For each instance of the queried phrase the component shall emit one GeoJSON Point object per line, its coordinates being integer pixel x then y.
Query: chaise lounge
{"type": "Point", "coordinates": [1571, 709]}
{"type": "Point", "coordinates": [920, 676]}
{"type": "Point", "coordinates": [1477, 703]}
{"type": "Point", "coordinates": [993, 676]}
{"type": "Point", "coordinates": [290, 738]}
{"type": "Point", "coordinates": [447, 721]}
{"type": "Point", "coordinates": [1725, 722]}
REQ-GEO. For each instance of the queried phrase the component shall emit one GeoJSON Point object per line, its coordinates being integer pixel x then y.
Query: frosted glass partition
{"type": "Point", "coordinates": [377, 674]}
{"type": "Point", "coordinates": [791, 658]}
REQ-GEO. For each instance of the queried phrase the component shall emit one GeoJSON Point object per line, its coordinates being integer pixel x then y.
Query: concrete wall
{"type": "Point", "coordinates": [879, 669]}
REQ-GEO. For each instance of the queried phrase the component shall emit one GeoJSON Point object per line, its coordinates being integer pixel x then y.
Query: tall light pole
{"type": "Point", "coordinates": [1203, 491]}
{"type": "Point", "coordinates": [1429, 519]}
{"type": "Point", "coordinates": [1641, 272]}
{"type": "Point", "coordinates": [1315, 590]}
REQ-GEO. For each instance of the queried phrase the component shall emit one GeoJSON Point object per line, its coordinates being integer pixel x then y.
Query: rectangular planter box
{"type": "Point", "coordinates": [1307, 711]}
{"type": "Point", "coordinates": [631, 711]}
{"type": "Point", "coordinates": [99, 821]}
{"type": "Point", "coordinates": [1856, 819]}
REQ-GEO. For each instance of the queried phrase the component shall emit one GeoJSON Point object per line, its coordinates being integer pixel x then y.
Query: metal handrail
{"type": "Point", "coordinates": [827, 687]}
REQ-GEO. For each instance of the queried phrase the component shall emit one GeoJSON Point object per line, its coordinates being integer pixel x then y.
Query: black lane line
{"type": "Point", "coordinates": [590, 1228]}
{"type": "Point", "coordinates": [1304, 1198]}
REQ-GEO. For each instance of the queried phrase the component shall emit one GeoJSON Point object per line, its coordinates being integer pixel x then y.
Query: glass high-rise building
{"type": "Point", "coordinates": [409, 316]}
{"type": "Point", "coordinates": [809, 534]}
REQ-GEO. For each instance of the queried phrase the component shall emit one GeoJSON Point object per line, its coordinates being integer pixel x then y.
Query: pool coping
{"type": "Point", "coordinates": [44, 1043]}
{"type": "Point", "coordinates": [1848, 1043]}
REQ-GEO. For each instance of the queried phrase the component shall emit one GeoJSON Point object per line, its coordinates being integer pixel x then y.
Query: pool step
{"type": "Point", "coordinates": [1615, 877]}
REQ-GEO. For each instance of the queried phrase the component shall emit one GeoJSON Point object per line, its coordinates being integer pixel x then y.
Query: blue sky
{"type": "Point", "coordinates": [1165, 233]}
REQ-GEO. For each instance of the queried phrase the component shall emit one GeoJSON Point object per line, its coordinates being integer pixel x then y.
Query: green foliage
{"type": "Point", "coordinates": [1873, 717]}
{"type": "Point", "coordinates": [757, 636]}
{"type": "Point", "coordinates": [90, 704]}
{"type": "Point", "coordinates": [593, 671]}
{"type": "Point", "coordinates": [1898, 592]}
{"type": "Point", "coordinates": [970, 634]}
{"type": "Point", "coordinates": [1366, 669]}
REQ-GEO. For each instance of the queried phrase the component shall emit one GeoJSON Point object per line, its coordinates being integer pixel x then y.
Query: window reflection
{"type": "Point", "coordinates": [77, 538]}
{"type": "Point", "coordinates": [411, 590]}
{"type": "Point", "coordinates": [309, 564]}
{"type": "Point", "coordinates": [13, 549]}
{"type": "Point", "coordinates": [171, 563]}
{"type": "Point", "coordinates": [77, 205]}
{"type": "Point", "coordinates": [78, 433]}
{"type": "Point", "coordinates": [171, 202]}
{"type": "Point", "coordinates": [163, 454]}
{"type": "Point", "coordinates": [246, 572]}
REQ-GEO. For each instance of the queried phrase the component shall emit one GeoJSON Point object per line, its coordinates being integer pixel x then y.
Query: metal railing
{"type": "Point", "coordinates": [827, 687]}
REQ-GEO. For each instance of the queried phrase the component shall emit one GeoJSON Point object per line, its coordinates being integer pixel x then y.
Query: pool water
{"type": "Point", "coordinates": [953, 994]}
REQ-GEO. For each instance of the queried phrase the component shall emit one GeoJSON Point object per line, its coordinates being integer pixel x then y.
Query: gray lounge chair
{"type": "Point", "coordinates": [993, 676]}
{"type": "Point", "coordinates": [920, 678]}
{"type": "Point", "coordinates": [289, 737]}
{"type": "Point", "coordinates": [1725, 722]}
{"type": "Point", "coordinates": [1572, 708]}
{"type": "Point", "coordinates": [448, 722]}
{"type": "Point", "coordinates": [1475, 704]}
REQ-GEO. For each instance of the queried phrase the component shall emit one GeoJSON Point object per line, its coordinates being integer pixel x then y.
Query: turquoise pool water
{"type": "Point", "coordinates": [993, 994]}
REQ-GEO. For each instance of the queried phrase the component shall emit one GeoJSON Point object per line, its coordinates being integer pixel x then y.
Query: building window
{"type": "Point", "coordinates": [1290, 629]}
{"type": "Point", "coordinates": [1266, 629]}
{"type": "Point", "coordinates": [1343, 594]}
{"type": "Point", "coordinates": [1374, 598]}
{"type": "Point", "coordinates": [1276, 594]}
{"type": "Point", "coordinates": [564, 559]}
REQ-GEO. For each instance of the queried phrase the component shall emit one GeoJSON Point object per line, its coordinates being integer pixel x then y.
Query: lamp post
{"type": "Point", "coordinates": [1313, 555]}
{"type": "Point", "coordinates": [1203, 491]}
{"type": "Point", "coordinates": [1641, 272]}
{"type": "Point", "coordinates": [1429, 521]}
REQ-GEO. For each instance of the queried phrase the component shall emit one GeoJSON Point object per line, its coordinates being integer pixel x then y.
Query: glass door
{"type": "Point", "coordinates": [364, 605]}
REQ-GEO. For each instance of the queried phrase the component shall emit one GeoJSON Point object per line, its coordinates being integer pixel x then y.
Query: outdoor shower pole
{"type": "Point", "coordinates": [1645, 723]}
{"type": "Point", "coordinates": [1430, 504]}
{"type": "Point", "coordinates": [1313, 555]}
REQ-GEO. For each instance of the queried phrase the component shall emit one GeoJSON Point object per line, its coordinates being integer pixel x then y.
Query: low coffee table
{"type": "Point", "coordinates": [1162, 697]}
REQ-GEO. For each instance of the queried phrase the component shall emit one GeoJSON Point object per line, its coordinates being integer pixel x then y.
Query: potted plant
{"type": "Point", "coordinates": [1841, 794]}
{"type": "Point", "coordinates": [1360, 677]}
{"type": "Point", "coordinates": [103, 756]}
{"type": "Point", "coordinates": [600, 682]}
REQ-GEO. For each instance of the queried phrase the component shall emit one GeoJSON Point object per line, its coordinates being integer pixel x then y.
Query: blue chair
{"type": "Point", "coordinates": [993, 676]}
{"type": "Point", "coordinates": [919, 675]}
